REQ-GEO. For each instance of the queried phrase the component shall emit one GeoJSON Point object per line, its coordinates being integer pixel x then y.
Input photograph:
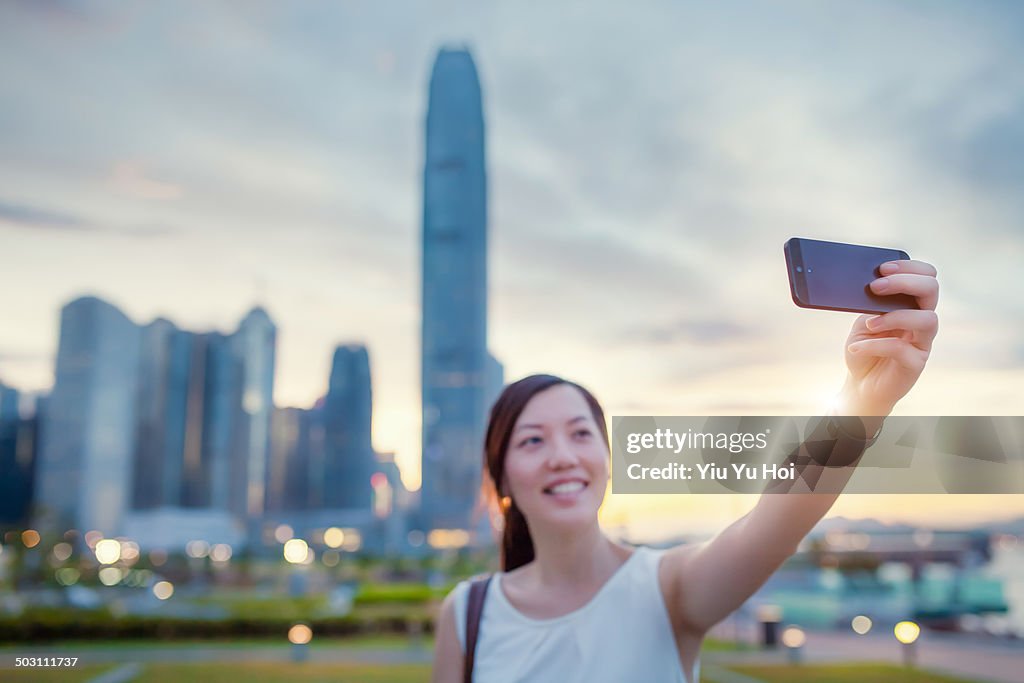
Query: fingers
{"type": "Point", "coordinates": [923, 325]}
{"type": "Point", "coordinates": [908, 266]}
{"type": "Point", "coordinates": [904, 353]}
{"type": "Point", "coordinates": [923, 287]}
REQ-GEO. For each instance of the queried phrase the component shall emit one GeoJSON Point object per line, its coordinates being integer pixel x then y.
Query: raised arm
{"type": "Point", "coordinates": [885, 355]}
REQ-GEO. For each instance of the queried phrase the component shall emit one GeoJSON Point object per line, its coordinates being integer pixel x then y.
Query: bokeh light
{"type": "Point", "coordinates": [907, 632]}
{"type": "Point", "coordinates": [861, 624]}
{"type": "Point", "coordinates": [163, 589]}
{"type": "Point", "coordinates": [283, 533]}
{"type": "Point", "coordinates": [794, 636]}
{"type": "Point", "coordinates": [221, 552]}
{"type": "Point", "coordinates": [296, 550]}
{"type": "Point", "coordinates": [68, 576]}
{"type": "Point", "coordinates": [300, 634]}
{"type": "Point", "coordinates": [334, 537]}
{"type": "Point", "coordinates": [108, 551]}
{"type": "Point", "coordinates": [110, 576]}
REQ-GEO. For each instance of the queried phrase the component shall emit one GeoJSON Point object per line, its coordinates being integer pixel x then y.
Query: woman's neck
{"type": "Point", "coordinates": [574, 559]}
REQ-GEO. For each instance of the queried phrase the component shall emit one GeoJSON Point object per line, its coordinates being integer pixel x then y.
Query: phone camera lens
{"type": "Point", "coordinates": [799, 269]}
{"type": "Point", "coordinates": [808, 270]}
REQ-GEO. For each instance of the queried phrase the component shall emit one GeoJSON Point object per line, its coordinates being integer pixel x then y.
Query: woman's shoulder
{"type": "Point", "coordinates": [457, 601]}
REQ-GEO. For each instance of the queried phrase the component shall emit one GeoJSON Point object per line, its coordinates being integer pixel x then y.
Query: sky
{"type": "Point", "coordinates": [646, 164]}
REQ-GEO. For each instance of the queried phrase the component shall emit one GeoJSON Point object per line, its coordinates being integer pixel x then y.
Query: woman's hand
{"type": "Point", "coordinates": [885, 354]}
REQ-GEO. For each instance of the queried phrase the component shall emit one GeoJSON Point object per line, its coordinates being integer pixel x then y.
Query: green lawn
{"type": "Point", "coordinates": [841, 673]}
{"type": "Point", "coordinates": [77, 674]}
{"type": "Point", "coordinates": [266, 672]}
{"type": "Point", "coordinates": [713, 645]}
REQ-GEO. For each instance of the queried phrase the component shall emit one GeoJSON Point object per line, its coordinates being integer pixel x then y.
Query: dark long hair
{"type": "Point", "coordinates": [516, 542]}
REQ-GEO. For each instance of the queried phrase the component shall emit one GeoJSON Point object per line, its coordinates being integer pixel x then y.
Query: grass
{"type": "Point", "coordinates": [266, 672]}
{"type": "Point", "coordinates": [714, 645]}
{"type": "Point", "coordinates": [77, 674]}
{"type": "Point", "coordinates": [843, 673]}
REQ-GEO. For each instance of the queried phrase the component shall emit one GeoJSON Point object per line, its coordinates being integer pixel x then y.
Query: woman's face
{"type": "Point", "coordinates": [556, 468]}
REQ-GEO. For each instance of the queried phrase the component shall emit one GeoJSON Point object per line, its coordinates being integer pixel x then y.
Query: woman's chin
{"type": "Point", "coordinates": [565, 519]}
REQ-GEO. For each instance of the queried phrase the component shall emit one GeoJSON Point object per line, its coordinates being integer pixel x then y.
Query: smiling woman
{"type": "Point", "coordinates": [572, 605]}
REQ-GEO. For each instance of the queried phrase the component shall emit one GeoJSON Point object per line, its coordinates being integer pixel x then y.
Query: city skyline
{"type": "Point", "coordinates": [639, 205]}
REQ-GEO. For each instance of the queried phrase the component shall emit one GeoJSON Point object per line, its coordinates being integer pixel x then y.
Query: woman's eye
{"type": "Point", "coordinates": [529, 440]}
{"type": "Point", "coordinates": [583, 432]}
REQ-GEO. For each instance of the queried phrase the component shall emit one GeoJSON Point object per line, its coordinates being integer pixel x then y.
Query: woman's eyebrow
{"type": "Point", "coordinates": [535, 426]}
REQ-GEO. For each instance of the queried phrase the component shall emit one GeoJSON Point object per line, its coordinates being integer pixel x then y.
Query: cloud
{"type": "Point", "coordinates": [35, 217]}
{"type": "Point", "coordinates": [130, 178]}
{"type": "Point", "coordinates": [703, 332]}
{"type": "Point", "coordinates": [44, 218]}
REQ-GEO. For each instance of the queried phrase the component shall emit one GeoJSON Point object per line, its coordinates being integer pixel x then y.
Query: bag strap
{"type": "Point", "coordinates": [475, 608]}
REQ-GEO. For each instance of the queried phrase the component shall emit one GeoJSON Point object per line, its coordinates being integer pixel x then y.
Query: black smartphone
{"type": "Point", "coordinates": [835, 276]}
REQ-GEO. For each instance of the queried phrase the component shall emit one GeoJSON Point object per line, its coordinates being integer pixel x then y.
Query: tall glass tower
{"type": "Point", "coordinates": [84, 472]}
{"type": "Point", "coordinates": [454, 269]}
{"type": "Point", "coordinates": [254, 346]}
{"type": "Point", "coordinates": [349, 460]}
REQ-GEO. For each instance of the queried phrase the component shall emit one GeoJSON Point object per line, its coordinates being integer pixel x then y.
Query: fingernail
{"type": "Point", "coordinates": [888, 268]}
{"type": "Point", "coordinates": [852, 348]}
{"type": "Point", "coordinates": [880, 285]}
{"type": "Point", "coordinates": [874, 322]}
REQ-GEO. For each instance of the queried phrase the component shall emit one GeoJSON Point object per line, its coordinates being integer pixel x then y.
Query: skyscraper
{"type": "Point", "coordinates": [8, 402]}
{"type": "Point", "coordinates": [88, 432]}
{"type": "Point", "coordinates": [18, 437]}
{"type": "Point", "coordinates": [161, 413]}
{"type": "Point", "coordinates": [454, 270]}
{"type": "Point", "coordinates": [289, 472]}
{"type": "Point", "coordinates": [349, 460]}
{"type": "Point", "coordinates": [254, 347]}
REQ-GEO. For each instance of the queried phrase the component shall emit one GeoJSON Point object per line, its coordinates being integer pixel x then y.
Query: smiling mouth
{"type": "Point", "coordinates": [566, 488]}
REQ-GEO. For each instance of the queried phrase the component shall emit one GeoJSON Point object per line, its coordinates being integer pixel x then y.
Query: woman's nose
{"type": "Point", "coordinates": [562, 454]}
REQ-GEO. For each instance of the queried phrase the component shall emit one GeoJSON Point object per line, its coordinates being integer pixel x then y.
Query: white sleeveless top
{"type": "Point", "coordinates": [622, 634]}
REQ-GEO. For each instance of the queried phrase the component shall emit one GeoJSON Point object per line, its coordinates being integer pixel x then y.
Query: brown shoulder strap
{"type": "Point", "coordinates": [477, 593]}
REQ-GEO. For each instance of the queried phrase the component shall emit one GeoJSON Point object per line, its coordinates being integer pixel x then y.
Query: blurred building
{"type": "Point", "coordinates": [87, 436]}
{"type": "Point", "coordinates": [155, 418]}
{"type": "Point", "coordinates": [162, 396]}
{"type": "Point", "coordinates": [8, 402]}
{"type": "Point", "coordinates": [349, 459]}
{"type": "Point", "coordinates": [455, 366]}
{"type": "Point", "coordinates": [290, 475]}
{"type": "Point", "coordinates": [172, 528]}
{"type": "Point", "coordinates": [203, 436]}
{"type": "Point", "coordinates": [495, 381]}
{"type": "Point", "coordinates": [18, 441]}
{"type": "Point", "coordinates": [253, 344]}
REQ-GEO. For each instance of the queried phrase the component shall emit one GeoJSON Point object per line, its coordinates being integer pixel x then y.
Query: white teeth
{"type": "Point", "coordinates": [567, 487]}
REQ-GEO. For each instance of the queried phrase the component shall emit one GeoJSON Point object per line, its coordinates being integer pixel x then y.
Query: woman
{"type": "Point", "coordinates": [572, 605]}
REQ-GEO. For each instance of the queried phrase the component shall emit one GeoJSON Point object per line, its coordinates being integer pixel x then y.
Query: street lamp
{"type": "Point", "coordinates": [794, 638]}
{"type": "Point", "coordinates": [299, 636]}
{"type": "Point", "coordinates": [907, 632]}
